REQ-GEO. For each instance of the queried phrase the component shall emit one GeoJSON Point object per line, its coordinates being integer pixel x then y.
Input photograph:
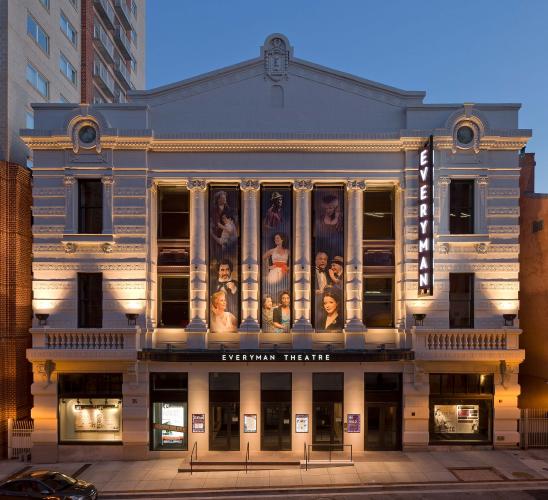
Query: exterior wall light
{"type": "Point", "coordinates": [509, 319]}
{"type": "Point", "coordinates": [419, 318]}
{"type": "Point", "coordinates": [42, 318]}
{"type": "Point", "coordinates": [132, 319]}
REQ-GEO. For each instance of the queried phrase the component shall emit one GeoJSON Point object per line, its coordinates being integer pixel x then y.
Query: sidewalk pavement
{"type": "Point", "coordinates": [368, 468]}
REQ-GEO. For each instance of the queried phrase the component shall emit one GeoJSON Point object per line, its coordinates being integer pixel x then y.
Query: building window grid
{"type": "Point", "coordinates": [37, 33]}
{"type": "Point", "coordinates": [461, 206]}
{"type": "Point", "coordinates": [38, 80]}
{"type": "Point", "coordinates": [67, 69]}
{"type": "Point", "coordinates": [173, 300]}
{"type": "Point", "coordinates": [68, 29]}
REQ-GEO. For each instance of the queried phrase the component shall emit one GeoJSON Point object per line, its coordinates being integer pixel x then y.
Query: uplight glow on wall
{"type": "Point", "coordinates": [425, 218]}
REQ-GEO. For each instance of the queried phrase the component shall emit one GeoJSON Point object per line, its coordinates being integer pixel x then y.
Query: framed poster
{"type": "Point", "coordinates": [353, 422]}
{"type": "Point", "coordinates": [198, 422]}
{"type": "Point", "coordinates": [301, 423]}
{"type": "Point", "coordinates": [250, 422]}
{"type": "Point", "coordinates": [97, 418]}
{"type": "Point", "coordinates": [456, 419]}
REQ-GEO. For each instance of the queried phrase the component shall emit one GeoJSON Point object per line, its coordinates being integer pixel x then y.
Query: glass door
{"type": "Point", "coordinates": [224, 425]}
{"type": "Point", "coordinates": [276, 431]}
{"type": "Point", "coordinates": [382, 427]}
{"type": "Point", "coordinates": [327, 426]}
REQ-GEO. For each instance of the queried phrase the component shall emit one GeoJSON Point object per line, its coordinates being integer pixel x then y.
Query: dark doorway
{"type": "Point", "coordinates": [276, 411]}
{"type": "Point", "coordinates": [383, 411]}
{"type": "Point", "coordinates": [327, 402]}
{"type": "Point", "coordinates": [224, 411]}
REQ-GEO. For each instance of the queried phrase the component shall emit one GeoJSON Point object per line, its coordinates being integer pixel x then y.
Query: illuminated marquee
{"type": "Point", "coordinates": [426, 219]}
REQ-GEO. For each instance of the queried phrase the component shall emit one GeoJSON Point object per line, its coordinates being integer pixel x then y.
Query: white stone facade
{"type": "Point", "coordinates": [257, 123]}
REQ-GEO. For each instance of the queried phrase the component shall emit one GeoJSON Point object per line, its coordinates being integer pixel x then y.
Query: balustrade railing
{"type": "Point", "coordinates": [107, 339]}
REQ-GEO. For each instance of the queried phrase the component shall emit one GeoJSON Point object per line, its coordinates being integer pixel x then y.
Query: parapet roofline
{"type": "Point", "coordinates": [491, 106]}
{"type": "Point", "coordinates": [139, 95]}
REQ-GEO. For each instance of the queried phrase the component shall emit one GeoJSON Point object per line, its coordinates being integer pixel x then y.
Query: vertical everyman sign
{"type": "Point", "coordinates": [426, 219]}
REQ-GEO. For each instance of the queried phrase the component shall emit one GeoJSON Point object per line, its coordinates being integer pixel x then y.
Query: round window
{"type": "Point", "coordinates": [465, 135]}
{"type": "Point", "coordinates": [87, 134]}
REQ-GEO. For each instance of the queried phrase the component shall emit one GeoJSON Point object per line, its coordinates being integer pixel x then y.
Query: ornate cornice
{"type": "Point", "coordinates": [355, 185]}
{"type": "Point", "coordinates": [303, 185]}
{"type": "Point", "coordinates": [197, 184]}
{"type": "Point", "coordinates": [250, 185]}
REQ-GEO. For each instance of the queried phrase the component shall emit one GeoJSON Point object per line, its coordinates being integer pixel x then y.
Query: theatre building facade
{"type": "Point", "coordinates": [274, 254]}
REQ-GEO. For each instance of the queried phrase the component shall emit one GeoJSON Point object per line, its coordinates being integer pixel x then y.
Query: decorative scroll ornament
{"type": "Point", "coordinates": [85, 134]}
{"type": "Point", "coordinates": [250, 185]}
{"type": "Point", "coordinates": [197, 185]}
{"type": "Point", "coordinates": [107, 247]}
{"type": "Point", "coordinates": [481, 248]}
{"type": "Point", "coordinates": [69, 247]}
{"type": "Point", "coordinates": [303, 185]}
{"type": "Point", "coordinates": [443, 248]}
{"type": "Point", "coordinates": [355, 185]}
{"type": "Point", "coordinates": [276, 58]}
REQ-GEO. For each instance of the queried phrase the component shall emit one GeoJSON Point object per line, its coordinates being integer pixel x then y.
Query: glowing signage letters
{"type": "Point", "coordinates": [426, 219]}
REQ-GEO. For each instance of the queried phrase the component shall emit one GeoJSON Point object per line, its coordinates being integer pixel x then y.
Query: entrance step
{"type": "Point", "coordinates": [315, 464]}
{"type": "Point", "coordinates": [233, 465]}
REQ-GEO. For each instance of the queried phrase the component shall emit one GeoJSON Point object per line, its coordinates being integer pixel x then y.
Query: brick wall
{"type": "Point", "coordinates": [15, 295]}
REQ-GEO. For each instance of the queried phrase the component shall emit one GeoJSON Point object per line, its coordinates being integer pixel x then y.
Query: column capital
{"type": "Point", "coordinates": [482, 180]}
{"type": "Point", "coordinates": [69, 180]}
{"type": "Point", "coordinates": [197, 185]}
{"type": "Point", "coordinates": [444, 180]}
{"type": "Point", "coordinates": [250, 185]}
{"type": "Point", "coordinates": [107, 180]}
{"type": "Point", "coordinates": [355, 185]}
{"type": "Point", "coordinates": [303, 185]}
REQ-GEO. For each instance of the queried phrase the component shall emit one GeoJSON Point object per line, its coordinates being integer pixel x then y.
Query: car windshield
{"type": "Point", "coordinates": [58, 481]}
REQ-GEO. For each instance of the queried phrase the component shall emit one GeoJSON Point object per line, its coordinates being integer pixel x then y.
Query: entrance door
{"type": "Point", "coordinates": [382, 426]}
{"type": "Point", "coordinates": [276, 423]}
{"type": "Point", "coordinates": [327, 429]}
{"type": "Point", "coordinates": [224, 426]}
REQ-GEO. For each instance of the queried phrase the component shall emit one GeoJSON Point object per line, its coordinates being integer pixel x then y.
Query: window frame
{"type": "Point", "coordinates": [35, 37]}
{"type": "Point", "coordinates": [68, 26]}
{"type": "Point", "coordinates": [391, 277]}
{"type": "Point", "coordinates": [161, 277]}
{"type": "Point", "coordinates": [454, 205]}
{"type": "Point", "coordinates": [181, 213]}
{"type": "Point", "coordinates": [455, 302]}
{"type": "Point", "coordinates": [45, 4]}
{"type": "Point", "coordinates": [83, 226]}
{"type": "Point", "coordinates": [63, 61]}
{"type": "Point", "coordinates": [91, 303]}
{"type": "Point", "coordinates": [37, 75]}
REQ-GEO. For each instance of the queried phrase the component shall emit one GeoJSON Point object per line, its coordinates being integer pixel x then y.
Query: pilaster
{"type": "Point", "coordinates": [198, 262]}
{"type": "Point", "coordinates": [480, 202]}
{"type": "Point", "coordinates": [70, 212]}
{"type": "Point", "coordinates": [443, 187]}
{"type": "Point", "coordinates": [108, 182]}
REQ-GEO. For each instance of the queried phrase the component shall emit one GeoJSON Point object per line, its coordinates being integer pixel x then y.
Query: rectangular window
{"type": "Point", "coordinates": [37, 33]}
{"type": "Point", "coordinates": [461, 207]}
{"type": "Point", "coordinates": [29, 119]}
{"type": "Point", "coordinates": [134, 9]}
{"type": "Point", "coordinates": [328, 237]}
{"type": "Point", "coordinates": [174, 301]}
{"type": "Point", "coordinates": [378, 220]}
{"type": "Point", "coordinates": [45, 3]}
{"type": "Point", "coordinates": [461, 300]}
{"type": "Point", "coordinates": [90, 407]}
{"type": "Point", "coordinates": [133, 64]}
{"type": "Point", "coordinates": [68, 29]}
{"type": "Point", "coordinates": [378, 303]}
{"type": "Point", "coordinates": [169, 401]}
{"type": "Point", "coordinates": [90, 300]}
{"type": "Point", "coordinates": [67, 69]}
{"type": "Point", "coordinates": [63, 99]}
{"type": "Point", "coordinates": [276, 247]}
{"type": "Point", "coordinates": [173, 213]}
{"type": "Point", "coordinates": [90, 206]}
{"type": "Point", "coordinates": [37, 80]}
{"type": "Point", "coordinates": [461, 408]}
{"type": "Point", "coordinates": [224, 258]}
{"type": "Point", "coordinates": [134, 37]}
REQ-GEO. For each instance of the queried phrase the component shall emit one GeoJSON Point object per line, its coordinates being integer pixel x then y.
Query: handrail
{"type": "Point", "coordinates": [194, 448]}
{"type": "Point", "coordinates": [305, 457]}
{"type": "Point", "coordinates": [247, 457]}
{"type": "Point", "coordinates": [332, 446]}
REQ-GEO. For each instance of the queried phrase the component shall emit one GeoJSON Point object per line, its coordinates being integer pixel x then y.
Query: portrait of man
{"type": "Point", "coordinates": [274, 215]}
{"type": "Point", "coordinates": [226, 283]}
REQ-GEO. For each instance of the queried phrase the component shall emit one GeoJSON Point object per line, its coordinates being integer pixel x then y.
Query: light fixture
{"type": "Point", "coordinates": [77, 401]}
{"type": "Point", "coordinates": [42, 318]}
{"type": "Point", "coordinates": [132, 319]}
{"type": "Point", "coordinates": [509, 319]}
{"type": "Point", "coordinates": [419, 318]}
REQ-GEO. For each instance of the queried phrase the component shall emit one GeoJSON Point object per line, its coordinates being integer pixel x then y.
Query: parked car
{"type": "Point", "coordinates": [46, 484]}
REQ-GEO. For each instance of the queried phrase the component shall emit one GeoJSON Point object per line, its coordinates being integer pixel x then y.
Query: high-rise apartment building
{"type": "Point", "coordinates": [88, 51]}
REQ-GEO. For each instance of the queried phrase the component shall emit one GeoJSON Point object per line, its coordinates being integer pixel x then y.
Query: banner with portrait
{"type": "Point", "coordinates": [224, 258]}
{"type": "Point", "coordinates": [276, 255]}
{"type": "Point", "coordinates": [328, 258]}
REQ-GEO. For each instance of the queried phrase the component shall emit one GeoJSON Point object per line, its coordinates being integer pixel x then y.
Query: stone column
{"type": "Point", "coordinates": [302, 257]}
{"type": "Point", "coordinates": [70, 210]}
{"type": "Point", "coordinates": [198, 261]}
{"type": "Point", "coordinates": [354, 258]}
{"type": "Point", "coordinates": [108, 182]}
{"type": "Point", "coordinates": [443, 186]}
{"type": "Point", "coordinates": [480, 205]}
{"type": "Point", "coordinates": [250, 256]}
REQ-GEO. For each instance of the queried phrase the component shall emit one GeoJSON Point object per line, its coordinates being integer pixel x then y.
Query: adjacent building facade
{"type": "Point", "coordinates": [279, 254]}
{"type": "Point", "coordinates": [533, 287]}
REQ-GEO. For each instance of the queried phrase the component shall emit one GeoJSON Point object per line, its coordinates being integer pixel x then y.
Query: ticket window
{"type": "Point", "coordinates": [169, 411]}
